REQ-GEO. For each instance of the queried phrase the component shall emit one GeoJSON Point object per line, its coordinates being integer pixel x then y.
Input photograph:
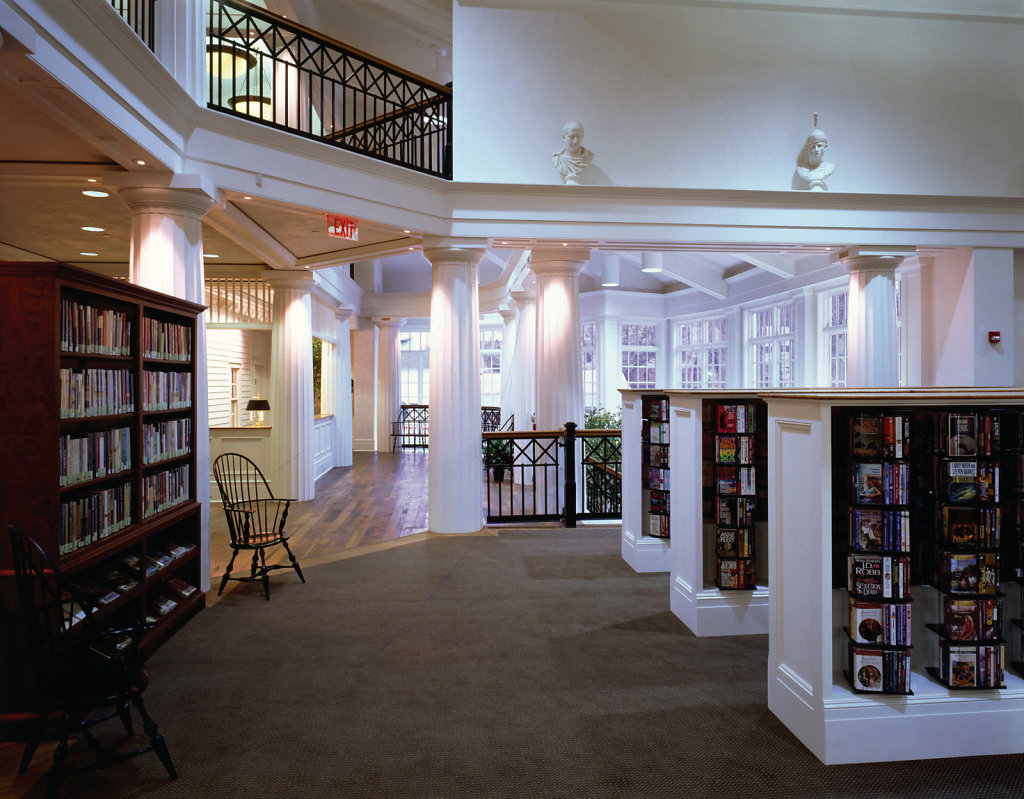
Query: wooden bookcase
{"type": "Point", "coordinates": [98, 430]}
{"type": "Point", "coordinates": [811, 466]}
{"type": "Point", "coordinates": [647, 482]}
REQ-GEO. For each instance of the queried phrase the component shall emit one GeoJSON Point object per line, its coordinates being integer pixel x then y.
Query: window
{"type": "Point", "coordinates": [833, 336]}
{"type": "Point", "coordinates": [771, 346]}
{"type": "Point", "coordinates": [588, 355]}
{"type": "Point", "coordinates": [640, 355]}
{"type": "Point", "coordinates": [490, 366]}
{"type": "Point", "coordinates": [703, 349]}
{"type": "Point", "coordinates": [318, 374]}
{"type": "Point", "coordinates": [414, 346]}
{"type": "Point", "coordinates": [235, 418]}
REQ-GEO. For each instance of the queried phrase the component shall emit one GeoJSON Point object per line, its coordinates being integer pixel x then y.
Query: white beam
{"type": "Point", "coordinates": [695, 272]}
{"type": "Point", "coordinates": [781, 265]}
{"type": "Point", "coordinates": [227, 219]}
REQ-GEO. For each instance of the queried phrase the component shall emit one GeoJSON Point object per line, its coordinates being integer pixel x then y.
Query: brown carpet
{"type": "Point", "coordinates": [531, 664]}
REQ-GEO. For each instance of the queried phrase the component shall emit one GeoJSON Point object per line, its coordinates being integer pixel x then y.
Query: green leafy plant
{"type": "Point", "coordinates": [602, 419]}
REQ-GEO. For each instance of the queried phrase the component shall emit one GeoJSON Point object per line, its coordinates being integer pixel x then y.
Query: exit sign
{"type": "Point", "coordinates": [342, 228]}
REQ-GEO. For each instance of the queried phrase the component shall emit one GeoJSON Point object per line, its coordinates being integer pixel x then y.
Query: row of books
{"type": "Point", "coordinates": [658, 502]}
{"type": "Point", "coordinates": [886, 623]}
{"type": "Point", "coordinates": [166, 340]}
{"type": "Point", "coordinates": [881, 483]}
{"type": "Point", "coordinates": [877, 529]}
{"type": "Point", "coordinates": [736, 573]}
{"type": "Point", "coordinates": [735, 419]}
{"type": "Point", "coordinates": [165, 391]}
{"type": "Point", "coordinates": [972, 666]}
{"type": "Point", "coordinates": [656, 432]}
{"type": "Point", "coordinates": [658, 525]}
{"type": "Point", "coordinates": [165, 489]}
{"type": "Point", "coordinates": [87, 457]}
{"type": "Point", "coordinates": [94, 331]}
{"type": "Point", "coordinates": [881, 671]}
{"type": "Point", "coordinates": [736, 480]}
{"type": "Point", "coordinates": [971, 528]}
{"type": "Point", "coordinates": [872, 576]}
{"type": "Point", "coordinates": [117, 578]}
{"type": "Point", "coordinates": [969, 572]}
{"type": "Point", "coordinates": [163, 440]}
{"type": "Point", "coordinates": [86, 520]}
{"type": "Point", "coordinates": [971, 481]}
{"type": "Point", "coordinates": [880, 436]}
{"type": "Point", "coordinates": [656, 408]}
{"type": "Point", "coordinates": [656, 455]}
{"type": "Point", "coordinates": [734, 542]}
{"type": "Point", "coordinates": [735, 511]}
{"type": "Point", "coordinates": [972, 434]}
{"type": "Point", "coordinates": [657, 478]}
{"type": "Point", "coordinates": [95, 392]}
{"type": "Point", "coordinates": [972, 619]}
{"type": "Point", "coordinates": [734, 449]}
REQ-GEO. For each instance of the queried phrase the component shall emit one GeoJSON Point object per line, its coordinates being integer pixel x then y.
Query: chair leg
{"type": "Point", "coordinates": [291, 557]}
{"type": "Point", "coordinates": [254, 566]}
{"type": "Point", "coordinates": [264, 571]}
{"type": "Point", "coordinates": [60, 756]}
{"type": "Point", "coordinates": [156, 740]}
{"type": "Point", "coordinates": [126, 718]}
{"type": "Point", "coordinates": [227, 572]}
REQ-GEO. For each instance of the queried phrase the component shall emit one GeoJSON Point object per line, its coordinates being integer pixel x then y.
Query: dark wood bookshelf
{"type": "Point", "coordinates": [36, 301]}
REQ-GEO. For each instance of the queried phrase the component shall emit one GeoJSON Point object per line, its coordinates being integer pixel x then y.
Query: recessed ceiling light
{"type": "Point", "coordinates": [565, 244]}
{"type": "Point", "coordinates": [90, 254]}
{"type": "Point", "coordinates": [306, 267]}
{"type": "Point", "coordinates": [140, 162]}
{"type": "Point", "coordinates": [412, 248]}
{"type": "Point", "coordinates": [247, 197]}
{"type": "Point", "coordinates": [92, 229]}
{"type": "Point", "coordinates": [91, 180]}
{"type": "Point", "coordinates": [210, 255]}
{"type": "Point", "coordinates": [95, 193]}
{"type": "Point", "coordinates": [407, 231]}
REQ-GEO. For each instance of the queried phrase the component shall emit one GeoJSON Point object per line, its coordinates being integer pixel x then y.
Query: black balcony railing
{"type": "Point", "coordinates": [275, 72]}
{"type": "Point", "coordinates": [141, 16]}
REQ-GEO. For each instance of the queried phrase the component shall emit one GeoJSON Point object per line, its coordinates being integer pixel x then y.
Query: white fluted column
{"type": "Point", "coordinates": [508, 360]}
{"type": "Point", "coordinates": [455, 481]}
{"type": "Point", "coordinates": [559, 371]}
{"type": "Point", "coordinates": [291, 369]}
{"type": "Point", "coordinates": [343, 388]}
{"type": "Point", "coordinates": [167, 256]}
{"type": "Point", "coordinates": [525, 391]}
{"type": "Point", "coordinates": [871, 359]}
{"type": "Point", "coordinates": [389, 384]}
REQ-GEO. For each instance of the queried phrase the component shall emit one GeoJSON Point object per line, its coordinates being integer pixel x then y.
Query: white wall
{"type": "Point", "coordinates": [992, 272]}
{"type": "Point", "coordinates": [951, 315]}
{"type": "Point", "coordinates": [724, 97]}
{"type": "Point", "coordinates": [364, 374]}
{"type": "Point", "coordinates": [244, 348]}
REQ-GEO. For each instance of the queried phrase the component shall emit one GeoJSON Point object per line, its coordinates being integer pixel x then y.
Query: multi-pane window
{"type": "Point", "coordinates": [771, 346]}
{"type": "Point", "coordinates": [703, 349]}
{"type": "Point", "coordinates": [833, 336]}
{"type": "Point", "coordinates": [588, 354]}
{"type": "Point", "coordinates": [640, 355]}
{"type": "Point", "coordinates": [490, 366]}
{"type": "Point", "coordinates": [414, 346]}
{"type": "Point", "coordinates": [235, 419]}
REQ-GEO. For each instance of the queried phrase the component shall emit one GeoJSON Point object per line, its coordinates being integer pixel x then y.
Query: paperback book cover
{"type": "Point", "coordinates": [866, 625]}
{"type": "Point", "coordinates": [866, 669]}
{"type": "Point", "coordinates": [727, 449]}
{"type": "Point", "coordinates": [728, 480]}
{"type": "Point", "coordinates": [867, 529]}
{"type": "Point", "coordinates": [867, 575]}
{"type": "Point", "coordinates": [727, 543]}
{"type": "Point", "coordinates": [963, 434]}
{"type": "Point", "coordinates": [963, 666]}
{"type": "Point", "coordinates": [866, 437]}
{"type": "Point", "coordinates": [867, 484]}
{"type": "Point", "coordinates": [962, 481]}
{"type": "Point", "coordinates": [726, 418]}
{"type": "Point", "coordinates": [960, 526]}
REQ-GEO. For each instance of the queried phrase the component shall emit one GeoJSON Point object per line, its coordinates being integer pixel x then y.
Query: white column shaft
{"type": "Point", "coordinates": [343, 390]}
{"type": "Point", "coordinates": [871, 322]}
{"type": "Point", "coordinates": [455, 481]}
{"type": "Point", "coordinates": [389, 386]}
{"type": "Point", "coordinates": [525, 387]}
{"type": "Point", "coordinates": [508, 362]}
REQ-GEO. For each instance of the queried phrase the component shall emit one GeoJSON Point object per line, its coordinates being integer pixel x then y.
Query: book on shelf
{"type": "Point", "coordinates": [876, 622]}
{"type": "Point", "coordinates": [877, 529]}
{"type": "Point", "coordinates": [728, 480]}
{"type": "Point", "coordinates": [962, 435]}
{"type": "Point", "coordinates": [179, 587]}
{"type": "Point", "coordinates": [658, 525]}
{"type": "Point", "coordinates": [866, 669]}
{"type": "Point", "coordinates": [972, 619]}
{"type": "Point", "coordinates": [972, 666]}
{"type": "Point", "coordinates": [728, 546]}
{"type": "Point", "coordinates": [866, 437]}
{"type": "Point", "coordinates": [726, 449]}
{"type": "Point", "coordinates": [735, 511]}
{"type": "Point", "coordinates": [879, 671]}
{"type": "Point", "coordinates": [97, 593]}
{"type": "Point", "coordinates": [969, 572]}
{"type": "Point", "coordinates": [867, 483]}
{"type": "Point", "coordinates": [971, 481]}
{"type": "Point", "coordinates": [119, 581]}
{"type": "Point", "coordinates": [161, 604]}
{"type": "Point", "coordinates": [878, 576]}
{"type": "Point", "coordinates": [659, 502]}
{"type": "Point", "coordinates": [735, 418]}
{"type": "Point", "coordinates": [177, 549]}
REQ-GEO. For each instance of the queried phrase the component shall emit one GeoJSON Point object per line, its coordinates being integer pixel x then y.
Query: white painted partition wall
{"type": "Point", "coordinates": [806, 650]}
{"type": "Point", "coordinates": [698, 603]}
{"type": "Point", "coordinates": [643, 552]}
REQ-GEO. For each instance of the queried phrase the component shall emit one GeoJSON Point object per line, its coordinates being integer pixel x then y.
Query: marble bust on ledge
{"type": "Point", "coordinates": [812, 168]}
{"type": "Point", "coordinates": [573, 158]}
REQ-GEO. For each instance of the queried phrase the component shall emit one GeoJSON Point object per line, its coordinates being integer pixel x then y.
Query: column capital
{"type": "Point", "coordinates": [448, 253]}
{"type": "Point", "coordinates": [523, 297]}
{"type": "Point", "coordinates": [507, 314]}
{"type": "Point", "coordinates": [164, 191]}
{"type": "Point", "coordinates": [562, 260]}
{"type": "Point", "coordinates": [343, 312]}
{"type": "Point", "coordinates": [288, 279]}
{"type": "Point", "coordinates": [389, 321]}
{"type": "Point", "coordinates": [878, 264]}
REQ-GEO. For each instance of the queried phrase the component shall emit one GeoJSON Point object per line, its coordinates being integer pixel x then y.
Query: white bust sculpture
{"type": "Point", "coordinates": [573, 158]}
{"type": "Point", "coordinates": [811, 166]}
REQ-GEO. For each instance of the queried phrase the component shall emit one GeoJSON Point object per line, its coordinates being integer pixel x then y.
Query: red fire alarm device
{"type": "Point", "coordinates": [994, 337]}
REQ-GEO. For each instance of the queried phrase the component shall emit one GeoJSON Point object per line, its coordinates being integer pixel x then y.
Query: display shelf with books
{"type": "Point", "coordinates": [647, 480]}
{"type": "Point", "coordinates": [840, 673]}
{"type": "Point", "coordinates": [872, 521]}
{"type": "Point", "coordinates": [105, 371]}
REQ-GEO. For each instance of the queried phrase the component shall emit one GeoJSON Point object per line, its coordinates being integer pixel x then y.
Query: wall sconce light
{"type": "Point", "coordinates": [254, 105]}
{"type": "Point", "coordinates": [255, 408]}
{"type": "Point", "coordinates": [610, 271]}
{"type": "Point", "coordinates": [651, 262]}
{"type": "Point", "coordinates": [227, 60]}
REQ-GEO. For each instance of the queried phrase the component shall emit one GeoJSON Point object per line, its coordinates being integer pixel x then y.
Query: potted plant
{"type": "Point", "coordinates": [498, 456]}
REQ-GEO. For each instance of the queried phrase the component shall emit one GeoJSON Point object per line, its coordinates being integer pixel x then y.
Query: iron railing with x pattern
{"type": "Point", "coordinates": [276, 72]}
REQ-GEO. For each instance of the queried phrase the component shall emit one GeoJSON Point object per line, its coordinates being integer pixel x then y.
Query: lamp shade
{"type": "Point", "coordinates": [227, 60]}
{"type": "Point", "coordinates": [258, 405]}
{"type": "Point", "coordinates": [254, 105]}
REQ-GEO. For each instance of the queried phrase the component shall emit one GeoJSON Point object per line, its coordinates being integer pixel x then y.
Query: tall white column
{"type": "Point", "coordinates": [343, 388]}
{"type": "Point", "coordinates": [389, 385]}
{"type": "Point", "coordinates": [291, 404]}
{"type": "Point", "coordinates": [871, 321]}
{"type": "Point", "coordinates": [167, 256]}
{"type": "Point", "coordinates": [455, 502]}
{"type": "Point", "coordinates": [913, 329]}
{"type": "Point", "coordinates": [559, 371]}
{"type": "Point", "coordinates": [525, 388]}
{"type": "Point", "coordinates": [508, 361]}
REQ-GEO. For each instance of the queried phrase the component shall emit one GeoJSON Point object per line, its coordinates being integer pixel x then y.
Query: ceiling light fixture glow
{"type": "Point", "coordinates": [210, 255]}
{"type": "Point", "coordinates": [228, 60]}
{"type": "Point", "coordinates": [140, 162]}
{"type": "Point", "coordinates": [90, 254]}
{"type": "Point", "coordinates": [95, 193]}
{"type": "Point", "coordinates": [92, 229]}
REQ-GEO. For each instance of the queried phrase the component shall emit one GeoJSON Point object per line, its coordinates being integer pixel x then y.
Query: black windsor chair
{"type": "Point", "coordinates": [255, 517]}
{"type": "Point", "coordinates": [83, 674]}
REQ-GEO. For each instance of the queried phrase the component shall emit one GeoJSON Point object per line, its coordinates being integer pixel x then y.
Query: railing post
{"type": "Point", "coordinates": [570, 474]}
